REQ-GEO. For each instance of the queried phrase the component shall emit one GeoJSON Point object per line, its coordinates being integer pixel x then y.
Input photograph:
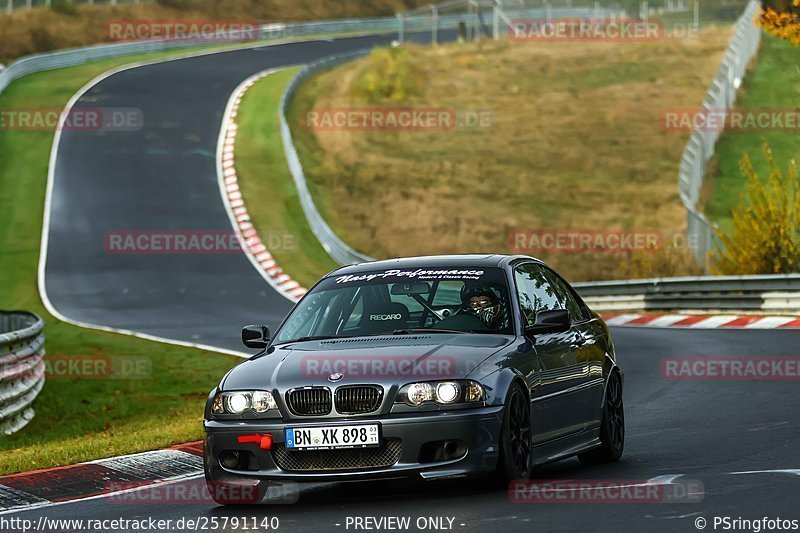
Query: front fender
{"type": "Point", "coordinates": [497, 388]}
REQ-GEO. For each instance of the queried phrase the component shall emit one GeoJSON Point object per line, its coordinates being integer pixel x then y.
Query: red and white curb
{"type": "Point", "coordinates": [102, 478]}
{"type": "Point", "coordinates": [232, 195]}
{"type": "Point", "coordinates": [703, 321]}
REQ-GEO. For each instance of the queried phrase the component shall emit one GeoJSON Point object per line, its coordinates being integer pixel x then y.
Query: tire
{"type": "Point", "coordinates": [612, 427]}
{"type": "Point", "coordinates": [515, 439]}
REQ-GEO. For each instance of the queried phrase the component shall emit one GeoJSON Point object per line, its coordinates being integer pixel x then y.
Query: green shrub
{"type": "Point", "coordinates": [388, 76]}
{"type": "Point", "coordinates": [765, 238]}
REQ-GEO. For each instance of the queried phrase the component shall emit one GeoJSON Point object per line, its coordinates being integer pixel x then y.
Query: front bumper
{"type": "Point", "coordinates": [478, 429]}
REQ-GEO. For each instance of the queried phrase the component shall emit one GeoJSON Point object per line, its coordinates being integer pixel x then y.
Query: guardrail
{"type": "Point", "coordinates": [273, 31]}
{"type": "Point", "coordinates": [700, 148]}
{"type": "Point", "coordinates": [759, 294]}
{"type": "Point", "coordinates": [21, 368]}
{"type": "Point", "coordinates": [336, 248]}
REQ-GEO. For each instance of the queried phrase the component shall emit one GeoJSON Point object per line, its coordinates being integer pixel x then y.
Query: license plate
{"type": "Point", "coordinates": [332, 437]}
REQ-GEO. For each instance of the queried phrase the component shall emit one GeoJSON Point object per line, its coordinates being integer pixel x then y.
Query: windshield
{"type": "Point", "coordinates": [400, 301]}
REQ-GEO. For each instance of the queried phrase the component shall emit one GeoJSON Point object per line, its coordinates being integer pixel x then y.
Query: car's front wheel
{"type": "Point", "coordinates": [515, 438]}
{"type": "Point", "coordinates": [612, 428]}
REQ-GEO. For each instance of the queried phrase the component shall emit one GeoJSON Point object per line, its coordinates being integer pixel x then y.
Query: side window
{"type": "Point", "coordinates": [535, 292]}
{"type": "Point", "coordinates": [566, 298]}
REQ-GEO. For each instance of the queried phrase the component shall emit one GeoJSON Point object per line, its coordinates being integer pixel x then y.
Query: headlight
{"type": "Point", "coordinates": [419, 392]}
{"type": "Point", "coordinates": [447, 392]}
{"type": "Point", "coordinates": [238, 402]}
{"type": "Point", "coordinates": [441, 392]}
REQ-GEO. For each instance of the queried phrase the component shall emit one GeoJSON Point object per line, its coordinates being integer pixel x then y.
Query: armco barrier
{"type": "Point", "coordinates": [21, 368]}
{"type": "Point", "coordinates": [336, 248]}
{"type": "Point", "coordinates": [761, 294]}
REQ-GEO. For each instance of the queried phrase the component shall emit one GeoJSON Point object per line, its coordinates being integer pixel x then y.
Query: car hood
{"type": "Point", "coordinates": [389, 360]}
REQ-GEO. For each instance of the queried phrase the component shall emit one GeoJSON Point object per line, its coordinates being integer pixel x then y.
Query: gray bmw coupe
{"type": "Point", "coordinates": [427, 367]}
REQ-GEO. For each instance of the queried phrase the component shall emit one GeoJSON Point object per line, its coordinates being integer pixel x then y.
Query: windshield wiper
{"type": "Point", "coordinates": [408, 331]}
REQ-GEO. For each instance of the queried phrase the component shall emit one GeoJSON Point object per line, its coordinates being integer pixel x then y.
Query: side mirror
{"type": "Point", "coordinates": [256, 337]}
{"type": "Point", "coordinates": [552, 321]}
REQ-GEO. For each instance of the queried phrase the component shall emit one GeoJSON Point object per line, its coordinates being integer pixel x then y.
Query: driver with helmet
{"type": "Point", "coordinates": [484, 302]}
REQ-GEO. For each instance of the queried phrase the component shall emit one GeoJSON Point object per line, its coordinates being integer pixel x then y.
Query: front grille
{"type": "Point", "coordinates": [329, 460]}
{"type": "Point", "coordinates": [310, 402]}
{"type": "Point", "coordinates": [355, 399]}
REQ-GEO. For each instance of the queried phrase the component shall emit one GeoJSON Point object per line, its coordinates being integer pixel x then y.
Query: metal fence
{"type": "Point", "coordinates": [759, 294]}
{"type": "Point", "coordinates": [700, 148]}
{"type": "Point", "coordinates": [21, 368]}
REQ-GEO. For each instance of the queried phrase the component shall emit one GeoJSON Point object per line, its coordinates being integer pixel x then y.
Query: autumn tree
{"type": "Point", "coordinates": [782, 19]}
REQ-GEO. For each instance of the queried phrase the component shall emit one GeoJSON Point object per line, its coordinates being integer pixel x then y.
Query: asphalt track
{"type": "Point", "coordinates": [704, 431]}
{"type": "Point", "coordinates": [163, 177]}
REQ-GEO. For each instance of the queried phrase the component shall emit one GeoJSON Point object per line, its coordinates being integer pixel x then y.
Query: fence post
{"type": "Point", "coordinates": [401, 31]}
{"type": "Point", "coordinates": [495, 23]}
{"type": "Point", "coordinates": [29, 5]}
{"type": "Point", "coordinates": [9, 6]}
{"type": "Point", "coordinates": [696, 16]}
{"type": "Point", "coordinates": [434, 24]}
{"type": "Point", "coordinates": [476, 17]}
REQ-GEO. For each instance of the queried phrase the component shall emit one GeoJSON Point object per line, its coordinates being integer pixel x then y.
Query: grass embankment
{"type": "Point", "coordinates": [67, 25]}
{"type": "Point", "coordinates": [772, 84]}
{"type": "Point", "coordinates": [84, 419]}
{"type": "Point", "coordinates": [577, 141]}
{"type": "Point", "coordinates": [267, 185]}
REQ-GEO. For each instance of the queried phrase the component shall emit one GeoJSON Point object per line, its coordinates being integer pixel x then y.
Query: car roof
{"type": "Point", "coordinates": [433, 261]}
